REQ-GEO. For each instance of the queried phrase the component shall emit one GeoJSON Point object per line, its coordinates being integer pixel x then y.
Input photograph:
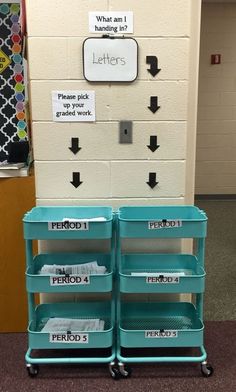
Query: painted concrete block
{"type": "Point", "coordinates": [157, 17]}
{"type": "Point", "coordinates": [129, 179]}
{"type": "Point", "coordinates": [47, 57]}
{"type": "Point", "coordinates": [53, 179]}
{"type": "Point", "coordinates": [60, 18]}
{"type": "Point", "coordinates": [114, 202]}
{"type": "Point", "coordinates": [172, 54]}
{"type": "Point", "coordinates": [132, 102]}
{"type": "Point", "coordinates": [115, 103]}
{"type": "Point", "coordinates": [61, 58]}
{"type": "Point", "coordinates": [101, 141]}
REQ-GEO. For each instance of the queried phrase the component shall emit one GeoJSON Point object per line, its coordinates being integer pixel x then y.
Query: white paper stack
{"type": "Point", "coordinates": [158, 274]}
{"type": "Point", "coordinates": [97, 219]}
{"type": "Point", "coordinates": [91, 268]}
{"type": "Point", "coordinates": [56, 324]}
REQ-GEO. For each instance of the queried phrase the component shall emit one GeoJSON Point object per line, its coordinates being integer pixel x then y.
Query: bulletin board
{"type": "Point", "coordinates": [13, 126]}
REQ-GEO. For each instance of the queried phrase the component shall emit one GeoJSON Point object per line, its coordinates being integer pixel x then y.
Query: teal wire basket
{"type": "Point", "coordinates": [150, 324]}
{"type": "Point", "coordinates": [71, 339]}
{"type": "Point", "coordinates": [162, 222]}
{"type": "Point", "coordinates": [68, 223]}
{"type": "Point", "coordinates": [168, 273]}
{"type": "Point", "coordinates": [58, 283]}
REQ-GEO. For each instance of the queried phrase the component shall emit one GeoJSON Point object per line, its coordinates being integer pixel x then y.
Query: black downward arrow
{"type": "Point", "coordinates": [76, 179]}
{"type": "Point", "coordinates": [153, 104]}
{"type": "Point", "coordinates": [152, 180]}
{"type": "Point", "coordinates": [153, 144]}
{"type": "Point", "coordinates": [153, 61]}
{"type": "Point", "coordinates": [74, 145]}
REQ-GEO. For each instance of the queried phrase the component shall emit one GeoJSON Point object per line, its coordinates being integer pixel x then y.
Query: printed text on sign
{"type": "Point", "coordinates": [164, 224]}
{"type": "Point", "coordinates": [68, 225]}
{"type": "Point", "coordinates": [68, 338]}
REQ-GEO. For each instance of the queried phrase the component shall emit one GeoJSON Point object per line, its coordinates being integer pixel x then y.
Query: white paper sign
{"type": "Point", "coordinates": [167, 333]}
{"type": "Point", "coordinates": [110, 59]}
{"type": "Point", "coordinates": [108, 22]}
{"type": "Point", "coordinates": [68, 225]}
{"type": "Point", "coordinates": [71, 106]}
{"type": "Point", "coordinates": [164, 224]}
{"type": "Point", "coordinates": [164, 279]}
{"type": "Point", "coordinates": [68, 338]}
{"type": "Point", "coordinates": [70, 280]}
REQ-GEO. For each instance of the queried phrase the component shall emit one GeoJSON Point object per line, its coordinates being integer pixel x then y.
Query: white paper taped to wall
{"type": "Point", "coordinates": [111, 22]}
{"type": "Point", "coordinates": [73, 106]}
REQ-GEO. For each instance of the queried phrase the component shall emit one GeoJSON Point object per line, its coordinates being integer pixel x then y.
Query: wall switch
{"type": "Point", "coordinates": [126, 132]}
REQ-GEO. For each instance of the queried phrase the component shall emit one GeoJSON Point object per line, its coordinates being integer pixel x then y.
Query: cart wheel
{"type": "Point", "coordinates": [206, 370]}
{"type": "Point", "coordinates": [126, 372]}
{"type": "Point", "coordinates": [32, 370]}
{"type": "Point", "coordinates": [115, 374]}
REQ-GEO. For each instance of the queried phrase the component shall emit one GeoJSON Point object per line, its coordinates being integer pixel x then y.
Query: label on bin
{"type": "Point", "coordinates": [69, 338]}
{"type": "Point", "coordinates": [164, 224]}
{"type": "Point", "coordinates": [68, 225]}
{"type": "Point", "coordinates": [167, 333]}
{"type": "Point", "coordinates": [69, 280]}
{"type": "Point", "coordinates": [163, 279]}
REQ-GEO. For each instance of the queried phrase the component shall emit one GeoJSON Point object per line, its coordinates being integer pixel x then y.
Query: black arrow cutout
{"type": "Point", "coordinates": [75, 145]}
{"type": "Point", "coordinates": [76, 179]}
{"type": "Point", "coordinates": [153, 104]}
{"type": "Point", "coordinates": [153, 61]}
{"type": "Point", "coordinates": [153, 144]}
{"type": "Point", "coordinates": [152, 180]}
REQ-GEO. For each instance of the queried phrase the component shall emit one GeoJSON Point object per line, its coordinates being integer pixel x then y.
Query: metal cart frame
{"type": "Point", "coordinates": [32, 363]}
{"type": "Point", "coordinates": [134, 232]}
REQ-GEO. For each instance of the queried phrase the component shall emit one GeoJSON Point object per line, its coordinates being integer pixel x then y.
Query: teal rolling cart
{"type": "Point", "coordinates": [66, 223]}
{"type": "Point", "coordinates": [152, 324]}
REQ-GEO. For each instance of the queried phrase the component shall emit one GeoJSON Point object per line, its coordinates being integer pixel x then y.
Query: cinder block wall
{"type": "Point", "coordinates": [112, 173]}
{"type": "Point", "coordinates": [216, 134]}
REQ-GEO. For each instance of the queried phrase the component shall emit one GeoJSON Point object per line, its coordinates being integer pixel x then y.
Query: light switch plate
{"type": "Point", "coordinates": [126, 132]}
